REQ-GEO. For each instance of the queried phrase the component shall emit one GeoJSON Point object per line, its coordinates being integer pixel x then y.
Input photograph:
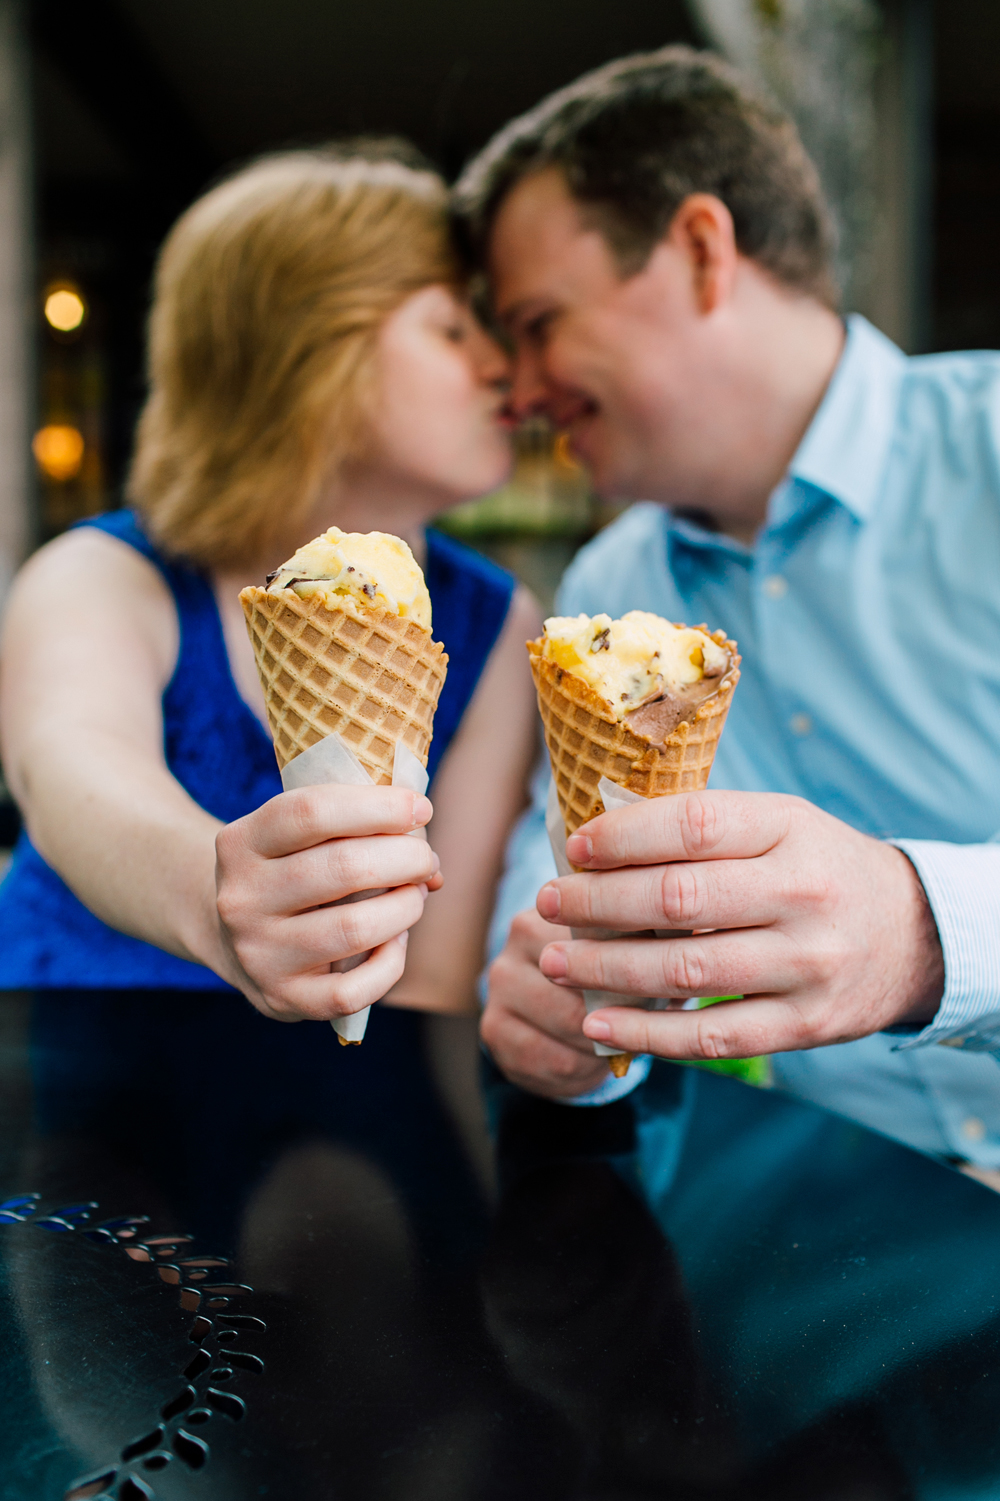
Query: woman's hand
{"type": "Point", "coordinates": [280, 870]}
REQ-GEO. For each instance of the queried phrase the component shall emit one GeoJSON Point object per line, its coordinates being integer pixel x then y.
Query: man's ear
{"type": "Point", "coordinates": [702, 230]}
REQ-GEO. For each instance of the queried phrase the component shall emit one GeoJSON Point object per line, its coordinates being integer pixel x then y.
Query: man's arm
{"type": "Point", "coordinates": [828, 934]}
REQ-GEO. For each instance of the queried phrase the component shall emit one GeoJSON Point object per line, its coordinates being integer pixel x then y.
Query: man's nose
{"type": "Point", "coordinates": [529, 392]}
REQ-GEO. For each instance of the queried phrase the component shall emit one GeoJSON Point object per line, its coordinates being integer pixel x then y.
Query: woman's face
{"type": "Point", "coordinates": [439, 424]}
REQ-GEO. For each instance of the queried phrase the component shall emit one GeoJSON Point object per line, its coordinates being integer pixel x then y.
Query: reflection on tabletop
{"type": "Point", "coordinates": [704, 1291]}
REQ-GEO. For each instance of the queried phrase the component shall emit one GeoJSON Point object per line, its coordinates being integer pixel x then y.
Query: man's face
{"type": "Point", "coordinates": [623, 365]}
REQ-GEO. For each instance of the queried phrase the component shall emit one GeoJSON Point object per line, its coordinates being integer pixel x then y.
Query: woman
{"type": "Point", "coordinates": [313, 361]}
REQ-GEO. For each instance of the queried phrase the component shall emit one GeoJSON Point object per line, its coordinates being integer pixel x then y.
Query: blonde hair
{"type": "Point", "coordinates": [269, 294]}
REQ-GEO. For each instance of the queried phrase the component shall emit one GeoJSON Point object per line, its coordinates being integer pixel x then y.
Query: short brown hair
{"type": "Point", "coordinates": [269, 294]}
{"type": "Point", "coordinates": [636, 137]}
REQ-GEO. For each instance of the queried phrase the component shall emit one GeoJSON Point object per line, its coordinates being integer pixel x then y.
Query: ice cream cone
{"type": "Point", "coordinates": [374, 682]}
{"type": "Point", "coordinates": [587, 742]}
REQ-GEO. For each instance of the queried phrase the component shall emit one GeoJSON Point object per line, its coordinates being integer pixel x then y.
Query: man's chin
{"type": "Point", "coordinates": [610, 484]}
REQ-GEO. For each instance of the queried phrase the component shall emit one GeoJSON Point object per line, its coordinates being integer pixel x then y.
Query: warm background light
{"type": "Point", "coordinates": [65, 309]}
{"type": "Point", "coordinates": [58, 450]}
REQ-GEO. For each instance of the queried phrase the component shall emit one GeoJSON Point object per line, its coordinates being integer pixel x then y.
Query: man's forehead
{"type": "Point", "coordinates": [539, 246]}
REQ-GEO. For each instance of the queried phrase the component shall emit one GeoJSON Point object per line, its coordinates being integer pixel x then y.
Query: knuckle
{"type": "Point", "coordinates": [342, 998]}
{"type": "Point", "coordinates": [279, 1003]}
{"type": "Point", "coordinates": [680, 895]}
{"type": "Point", "coordinates": [350, 866]}
{"type": "Point", "coordinates": [352, 924]}
{"type": "Point", "coordinates": [701, 820]}
{"type": "Point", "coordinates": [825, 962]}
{"type": "Point", "coordinates": [228, 906]}
{"type": "Point", "coordinates": [684, 968]}
{"type": "Point", "coordinates": [523, 926]}
{"type": "Point", "coordinates": [226, 840]}
{"type": "Point", "coordinates": [815, 888]}
{"type": "Point", "coordinates": [713, 1038]}
{"type": "Point", "coordinates": [312, 812]}
{"type": "Point", "coordinates": [337, 1006]}
{"type": "Point", "coordinates": [311, 805]}
{"type": "Point", "coordinates": [565, 1066]}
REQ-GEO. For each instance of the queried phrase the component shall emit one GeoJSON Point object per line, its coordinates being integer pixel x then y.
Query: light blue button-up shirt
{"type": "Point", "coordinates": [868, 617]}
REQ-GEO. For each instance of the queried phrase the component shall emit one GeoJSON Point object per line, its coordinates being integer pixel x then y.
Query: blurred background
{"type": "Point", "coordinates": [114, 114]}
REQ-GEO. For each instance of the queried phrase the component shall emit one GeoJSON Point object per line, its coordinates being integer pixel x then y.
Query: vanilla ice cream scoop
{"type": "Point", "coordinates": [650, 673]}
{"type": "Point", "coordinates": [357, 572]}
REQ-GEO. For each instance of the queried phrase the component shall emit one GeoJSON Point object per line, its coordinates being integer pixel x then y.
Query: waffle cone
{"type": "Point", "coordinates": [586, 742]}
{"type": "Point", "coordinates": [373, 682]}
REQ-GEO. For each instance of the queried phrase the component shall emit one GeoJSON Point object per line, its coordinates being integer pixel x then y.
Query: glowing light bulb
{"type": "Point", "coordinates": [58, 450]}
{"type": "Point", "coordinates": [65, 309]}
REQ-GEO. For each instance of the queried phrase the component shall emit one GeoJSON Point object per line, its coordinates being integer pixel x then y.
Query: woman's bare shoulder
{"type": "Point", "coordinates": [88, 556]}
{"type": "Point", "coordinates": [95, 586]}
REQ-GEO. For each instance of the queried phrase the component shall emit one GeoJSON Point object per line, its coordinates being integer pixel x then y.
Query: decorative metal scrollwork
{"type": "Point", "coordinates": [202, 1397]}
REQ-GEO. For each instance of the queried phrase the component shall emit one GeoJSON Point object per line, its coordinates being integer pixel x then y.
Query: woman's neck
{"type": "Point", "coordinates": [370, 500]}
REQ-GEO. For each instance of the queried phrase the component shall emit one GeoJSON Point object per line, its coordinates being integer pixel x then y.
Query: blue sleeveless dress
{"type": "Point", "coordinates": [221, 754]}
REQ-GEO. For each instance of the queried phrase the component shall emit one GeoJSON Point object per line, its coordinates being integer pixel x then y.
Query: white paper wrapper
{"type": "Point", "coordinates": [612, 796]}
{"type": "Point", "coordinates": [331, 761]}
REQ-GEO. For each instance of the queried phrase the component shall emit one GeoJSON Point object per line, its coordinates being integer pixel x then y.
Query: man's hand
{"type": "Point", "coordinates": [278, 872]}
{"type": "Point", "coordinates": [825, 932]}
{"type": "Point", "coordinates": [532, 1027]}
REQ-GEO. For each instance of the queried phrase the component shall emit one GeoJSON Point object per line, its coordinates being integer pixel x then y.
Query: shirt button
{"type": "Point", "coordinates": [775, 587]}
{"type": "Point", "coordinates": [973, 1128]}
{"type": "Point", "coordinates": [801, 724]}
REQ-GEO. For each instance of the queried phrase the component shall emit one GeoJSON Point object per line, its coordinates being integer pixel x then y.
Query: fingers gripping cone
{"type": "Point", "coordinates": [369, 687]}
{"type": "Point", "coordinates": [587, 743]}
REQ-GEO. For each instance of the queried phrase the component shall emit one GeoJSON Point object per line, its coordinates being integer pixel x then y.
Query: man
{"type": "Point", "coordinates": [659, 255]}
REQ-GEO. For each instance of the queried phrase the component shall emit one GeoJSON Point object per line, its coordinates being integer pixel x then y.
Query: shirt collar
{"type": "Point", "coordinates": [687, 530]}
{"type": "Point", "coordinates": [846, 445]}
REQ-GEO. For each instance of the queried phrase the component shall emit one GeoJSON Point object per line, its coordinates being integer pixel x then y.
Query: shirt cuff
{"type": "Point", "coordinates": [616, 1089]}
{"type": "Point", "coordinates": [962, 882]}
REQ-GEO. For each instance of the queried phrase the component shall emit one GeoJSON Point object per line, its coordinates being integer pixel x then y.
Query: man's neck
{"type": "Point", "coordinates": [782, 364]}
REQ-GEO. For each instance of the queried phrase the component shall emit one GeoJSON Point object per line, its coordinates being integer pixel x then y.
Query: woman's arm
{"type": "Point", "coordinates": [478, 793]}
{"type": "Point", "coordinates": [90, 641]}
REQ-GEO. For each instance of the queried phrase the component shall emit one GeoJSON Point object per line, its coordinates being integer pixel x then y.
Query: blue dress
{"type": "Point", "coordinates": [220, 753]}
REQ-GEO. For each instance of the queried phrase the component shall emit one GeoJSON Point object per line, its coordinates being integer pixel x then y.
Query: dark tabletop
{"type": "Point", "coordinates": [260, 1264]}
